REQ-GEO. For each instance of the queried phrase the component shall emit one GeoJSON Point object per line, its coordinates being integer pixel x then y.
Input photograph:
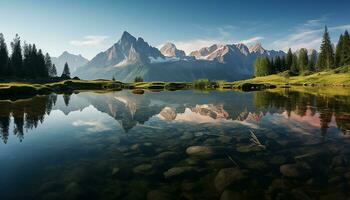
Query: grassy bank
{"type": "Point", "coordinates": [325, 78]}
{"type": "Point", "coordinates": [23, 90]}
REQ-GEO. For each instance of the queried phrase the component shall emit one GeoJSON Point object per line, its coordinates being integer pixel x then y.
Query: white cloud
{"type": "Point", "coordinates": [90, 40]}
{"type": "Point", "coordinates": [307, 35]}
{"type": "Point", "coordinates": [251, 40]}
{"type": "Point", "coordinates": [93, 126]}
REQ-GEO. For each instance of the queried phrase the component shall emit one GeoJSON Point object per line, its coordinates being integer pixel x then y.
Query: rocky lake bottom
{"type": "Point", "coordinates": [176, 145]}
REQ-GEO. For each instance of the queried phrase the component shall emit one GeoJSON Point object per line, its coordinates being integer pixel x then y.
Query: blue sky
{"type": "Point", "coordinates": [89, 27]}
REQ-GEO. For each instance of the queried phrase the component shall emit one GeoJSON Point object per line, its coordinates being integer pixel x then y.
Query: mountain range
{"type": "Point", "coordinates": [131, 57]}
{"type": "Point", "coordinates": [74, 61]}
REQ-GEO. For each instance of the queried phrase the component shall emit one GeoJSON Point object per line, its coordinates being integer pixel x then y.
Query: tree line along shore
{"type": "Point", "coordinates": [26, 71]}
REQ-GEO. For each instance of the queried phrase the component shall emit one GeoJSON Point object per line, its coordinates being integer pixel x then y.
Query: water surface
{"type": "Point", "coordinates": [176, 145]}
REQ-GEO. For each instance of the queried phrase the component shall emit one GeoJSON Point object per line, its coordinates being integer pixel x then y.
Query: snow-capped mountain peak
{"type": "Point", "coordinates": [257, 48]}
{"type": "Point", "coordinates": [170, 50]}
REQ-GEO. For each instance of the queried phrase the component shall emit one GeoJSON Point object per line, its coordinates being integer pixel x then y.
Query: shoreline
{"type": "Point", "coordinates": [19, 90]}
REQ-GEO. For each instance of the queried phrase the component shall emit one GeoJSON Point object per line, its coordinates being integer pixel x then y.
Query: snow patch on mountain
{"type": "Point", "coordinates": [163, 60]}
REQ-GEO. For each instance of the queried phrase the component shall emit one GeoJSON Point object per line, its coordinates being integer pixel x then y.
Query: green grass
{"type": "Point", "coordinates": [330, 78]}
{"type": "Point", "coordinates": [325, 78]}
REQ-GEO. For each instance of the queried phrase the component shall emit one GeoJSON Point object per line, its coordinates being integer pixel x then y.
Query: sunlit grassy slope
{"type": "Point", "coordinates": [326, 78]}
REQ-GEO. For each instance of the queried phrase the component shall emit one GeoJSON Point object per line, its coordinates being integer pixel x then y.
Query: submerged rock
{"type": "Point", "coordinates": [143, 169]}
{"type": "Point", "coordinates": [167, 155]}
{"type": "Point", "coordinates": [179, 171]}
{"type": "Point", "coordinates": [292, 171]}
{"type": "Point", "coordinates": [226, 177]}
{"type": "Point", "coordinates": [201, 151]}
{"type": "Point", "coordinates": [159, 195]}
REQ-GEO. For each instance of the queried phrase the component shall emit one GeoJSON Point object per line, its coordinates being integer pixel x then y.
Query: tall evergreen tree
{"type": "Point", "coordinates": [303, 60]}
{"type": "Point", "coordinates": [49, 66]}
{"type": "Point", "coordinates": [283, 64]}
{"type": "Point", "coordinates": [345, 57]}
{"type": "Point", "coordinates": [262, 66]}
{"type": "Point", "coordinates": [278, 65]}
{"type": "Point", "coordinates": [294, 68]}
{"type": "Point", "coordinates": [326, 57]}
{"type": "Point", "coordinates": [16, 58]}
{"type": "Point", "coordinates": [41, 65]}
{"type": "Point", "coordinates": [66, 71]}
{"type": "Point", "coordinates": [4, 58]}
{"type": "Point", "coordinates": [312, 61]}
{"type": "Point", "coordinates": [53, 72]}
{"type": "Point", "coordinates": [339, 52]}
{"type": "Point", "coordinates": [289, 59]}
{"type": "Point", "coordinates": [30, 60]}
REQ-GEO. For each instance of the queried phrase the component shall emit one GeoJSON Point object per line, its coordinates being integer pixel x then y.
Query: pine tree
{"type": "Point", "coordinates": [278, 65]}
{"type": "Point", "coordinates": [326, 58]}
{"type": "Point", "coordinates": [339, 52]}
{"type": "Point", "coordinates": [283, 64]}
{"type": "Point", "coordinates": [312, 61]}
{"type": "Point", "coordinates": [262, 66]}
{"type": "Point", "coordinates": [41, 65]}
{"type": "Point", "coordinates": [49, 65]}
{"type": "Point", "coordinates": [16, 58]}
{"type": "Point", "coordinates": [345, 57]}
{"type": "Point", "coordinates": [4, 58]}
{"type": "Point", "coordinates": [29, 61]}
{"type": "Point", "coordinates": [303, 60]}
{"type": "Point", "coordinates": [289, 59]}
{"type": "Point", "coordinates": [294, 68]}
{"type": "Point", "coordinates": [66, 71]}
{"type": "Point", "coordinates": [53, 72]}
{"type": "Point", "coordinates": [113, 79]}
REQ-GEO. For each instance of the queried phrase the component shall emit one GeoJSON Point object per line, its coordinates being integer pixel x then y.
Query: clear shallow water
{"type": "Point", "coordinates": [176, 145]}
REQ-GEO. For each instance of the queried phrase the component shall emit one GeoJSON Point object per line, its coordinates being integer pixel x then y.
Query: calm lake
{"type": "Point", "coordinates": [176, 145]}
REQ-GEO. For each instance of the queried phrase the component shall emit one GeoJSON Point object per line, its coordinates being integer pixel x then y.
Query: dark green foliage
{"type": "Point", "coordinates": [4, 58]}
{"type": "Point", "coordinates": [16, 68]}
{"type": "Point", "coordinates": [262, 67]}
{"type": "Point", "coordinates": [339, 51]}
{"type": "Point", "coordinates": [277, 66]}
{"type": "Point", "coordinates": [138, 79]}
{"type": "Point", "coordinates": [312, 61]}
{"type": "Point", "coordinates": [53, 71]}
{"type": "Point", "coordinates": [342, 53]}
{"type": "Point", "coordinates": [345, 55]}
{"type": "Point", "coordinates": [303, 63]}
{"type": "Point", "coordinates": [294, 67]}
{"type": "Point", "coordinates": [23, 63]}
{"type": "Point", "coordinates": [326, 57]}
{"type": "Point", "coordinates": [51, 68]}
{"type": "Point", "coordinates": [303, 60]}
{"type": "Point", "coordinates": [31, 64]}
{"type": "Point", "coordinates": [206, 84]}
{"type": "Point", "coordinates": [289, 59]}
{"type": "Point", "coordinates": [66, 71]}
{"type": "Point", "coordinates": [42, 71]}
{"type": "Point", "coordinates": [34, 64]}
{"type": "Point", "coordinates": [113, 78]}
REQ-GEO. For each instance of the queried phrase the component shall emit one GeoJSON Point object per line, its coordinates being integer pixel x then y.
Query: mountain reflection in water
{"type": "Point", "coordinates": [178, 144]}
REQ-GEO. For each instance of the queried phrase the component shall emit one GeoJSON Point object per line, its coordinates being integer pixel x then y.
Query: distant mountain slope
{"type": "Point", "coordinates": [74, 61]}
{"type": "Point", "coordinates": [131, 57]}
